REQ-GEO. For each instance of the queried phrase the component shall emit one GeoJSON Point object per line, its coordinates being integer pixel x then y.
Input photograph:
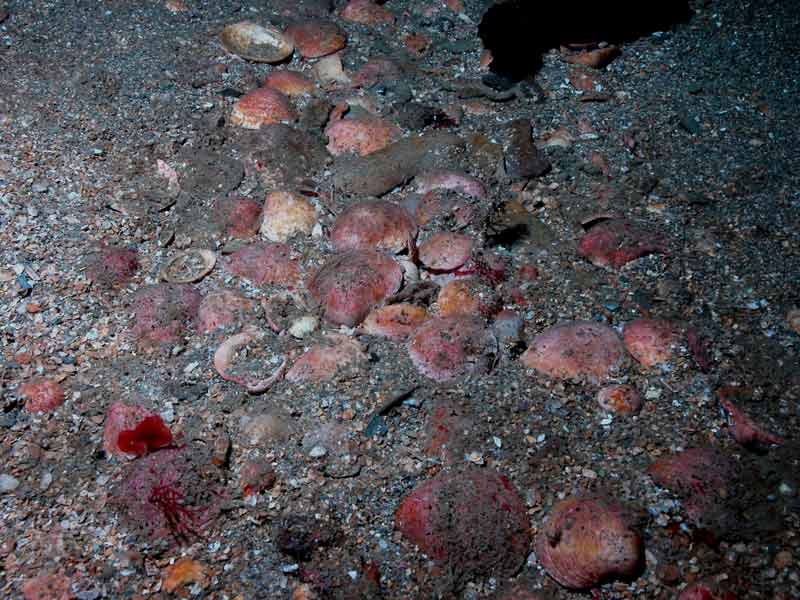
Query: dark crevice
{"type": "Point", "coordinates": [518, 32]}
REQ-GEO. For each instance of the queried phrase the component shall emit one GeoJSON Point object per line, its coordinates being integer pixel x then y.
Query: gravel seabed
{"type": "Point", "coordinates": [692, 132]}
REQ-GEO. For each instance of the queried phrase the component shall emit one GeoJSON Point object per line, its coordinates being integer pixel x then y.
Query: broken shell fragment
{"type": "Point", "coordinates": [576, 350]}
{"type": "Point", "coordinates": [396, 321]}
{"type": "Point", "coordinates": [586, 541]}
{"type": "Point", "coordinates": [316, 38]}
{"type": "Point", "coordinates": [377, 224]}
{"type": "Point", "coordinates": [350, 284]}
{"type": "Point", "coordinates": [445, 251]}
{"type": "Point", "coordinates": [188, 266]}
{"type": "Point", "coordinates": [620, 399]}
{"type": "Point", "coordinates": [616, 242]}
{"type": "Point", "coordinates": [745, 430]}
{"type": "Point", "coordinates": [651, 342]}
{"type": "Point", "coordinates": [262, 106]}
{"type": "Point", "coordinates": [445, 348]}
{"type": "Point", "coordinates": [226, 353]}
{"type": "Point", "coordinates": [287, 214]}
{"type": "Point", "coordinates": [257, 43]}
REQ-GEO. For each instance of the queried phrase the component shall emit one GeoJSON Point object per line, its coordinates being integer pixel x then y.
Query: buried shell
{"type": "Point", "coordinates": [652, 342]}
{"type": "Point", "coordinates": [473, 521]}
{"type": "Point", "coordinates": [449, 347]}
{"type": "Point", "coordinates": [585, 541]}
{"type": "Point", "coordinates": [258, 43]}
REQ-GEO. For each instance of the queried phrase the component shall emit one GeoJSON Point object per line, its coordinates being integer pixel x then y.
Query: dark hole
{"type": "Point", "coordinates": [518, 32]}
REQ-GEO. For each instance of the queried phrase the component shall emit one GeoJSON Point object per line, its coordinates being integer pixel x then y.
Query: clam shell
{"type": "Point", "coordinates": [257, 43]}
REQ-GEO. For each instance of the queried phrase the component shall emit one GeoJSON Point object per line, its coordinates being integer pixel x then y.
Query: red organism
{"type": "Point", "coordinates": [149, 435]}
{"type": "Point", "coordinates": [174, 494]}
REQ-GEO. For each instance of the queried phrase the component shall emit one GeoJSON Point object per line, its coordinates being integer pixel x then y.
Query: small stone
{"type": "Point", "coordinates": [782, 560]}
{"type": "Point", "coordinates": [8, 483]}
{"type": "Point", "coordinates": [317, 452]}
{"type": "Point", "coordinates": [522, 159]}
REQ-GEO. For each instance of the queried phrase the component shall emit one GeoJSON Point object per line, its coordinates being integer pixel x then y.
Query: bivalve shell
{"type": "Point", "coordinates": [585, 541]}
{"type": "Point", "coordinates": [258, 43]}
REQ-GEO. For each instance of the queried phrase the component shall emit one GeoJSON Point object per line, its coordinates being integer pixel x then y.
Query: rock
{"type": "Point", "coordinates": [284, 157]}
{"type": "Point", "coordinates": [522, 159]}
{"type": "Point", "coordinates": [378, 173]}
{"type": "Point", "coordinates": [8, 483]}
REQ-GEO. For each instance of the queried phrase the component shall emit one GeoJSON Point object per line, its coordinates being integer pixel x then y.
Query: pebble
{"type": "Point", "coordinates": [8, 483]}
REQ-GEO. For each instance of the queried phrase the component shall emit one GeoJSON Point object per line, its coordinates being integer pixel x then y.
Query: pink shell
{"type": "Point", "coordinates": [651, 342]}
{"type": "Point", "coordinates": [221, 308]}
{"type": "Point", "coordinates": [323, 361]}
{"type": "Point", "coordinates": [361, 135]}
{"type": "Point", "coordinates": [262, 106]}
{"type": "Point", "coordinates": [42, 395]}
{"type": "Point", "coordinates": [265, 263]}
{"type": "Point", "coordinates": [445, 251]}
{"type": "Point", "coordinates": [448, 347]}
{"type": "Point", "coordinates": [238, 217]}
{"type": "Point", "coordinates": [576, 350]}
{"type": "Point", "coordinates": [350, 284]}
{"type": "Point", "coordinates": [468, 296]}
{"type": "Point", "coordinates": [163, 313]}
{"type": "Point", "coordinates": [616, 242]}
{"type": "Point", "coordinates": [450, 180]}
{"type": "Point", "coordinates": [586, 541]}
{"type": "Point", "coordinates": [396, 321]}
{"type": "Point", "coordinates": [378, 224]}
{"type": "Point", "coordinates": [698, 474]}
